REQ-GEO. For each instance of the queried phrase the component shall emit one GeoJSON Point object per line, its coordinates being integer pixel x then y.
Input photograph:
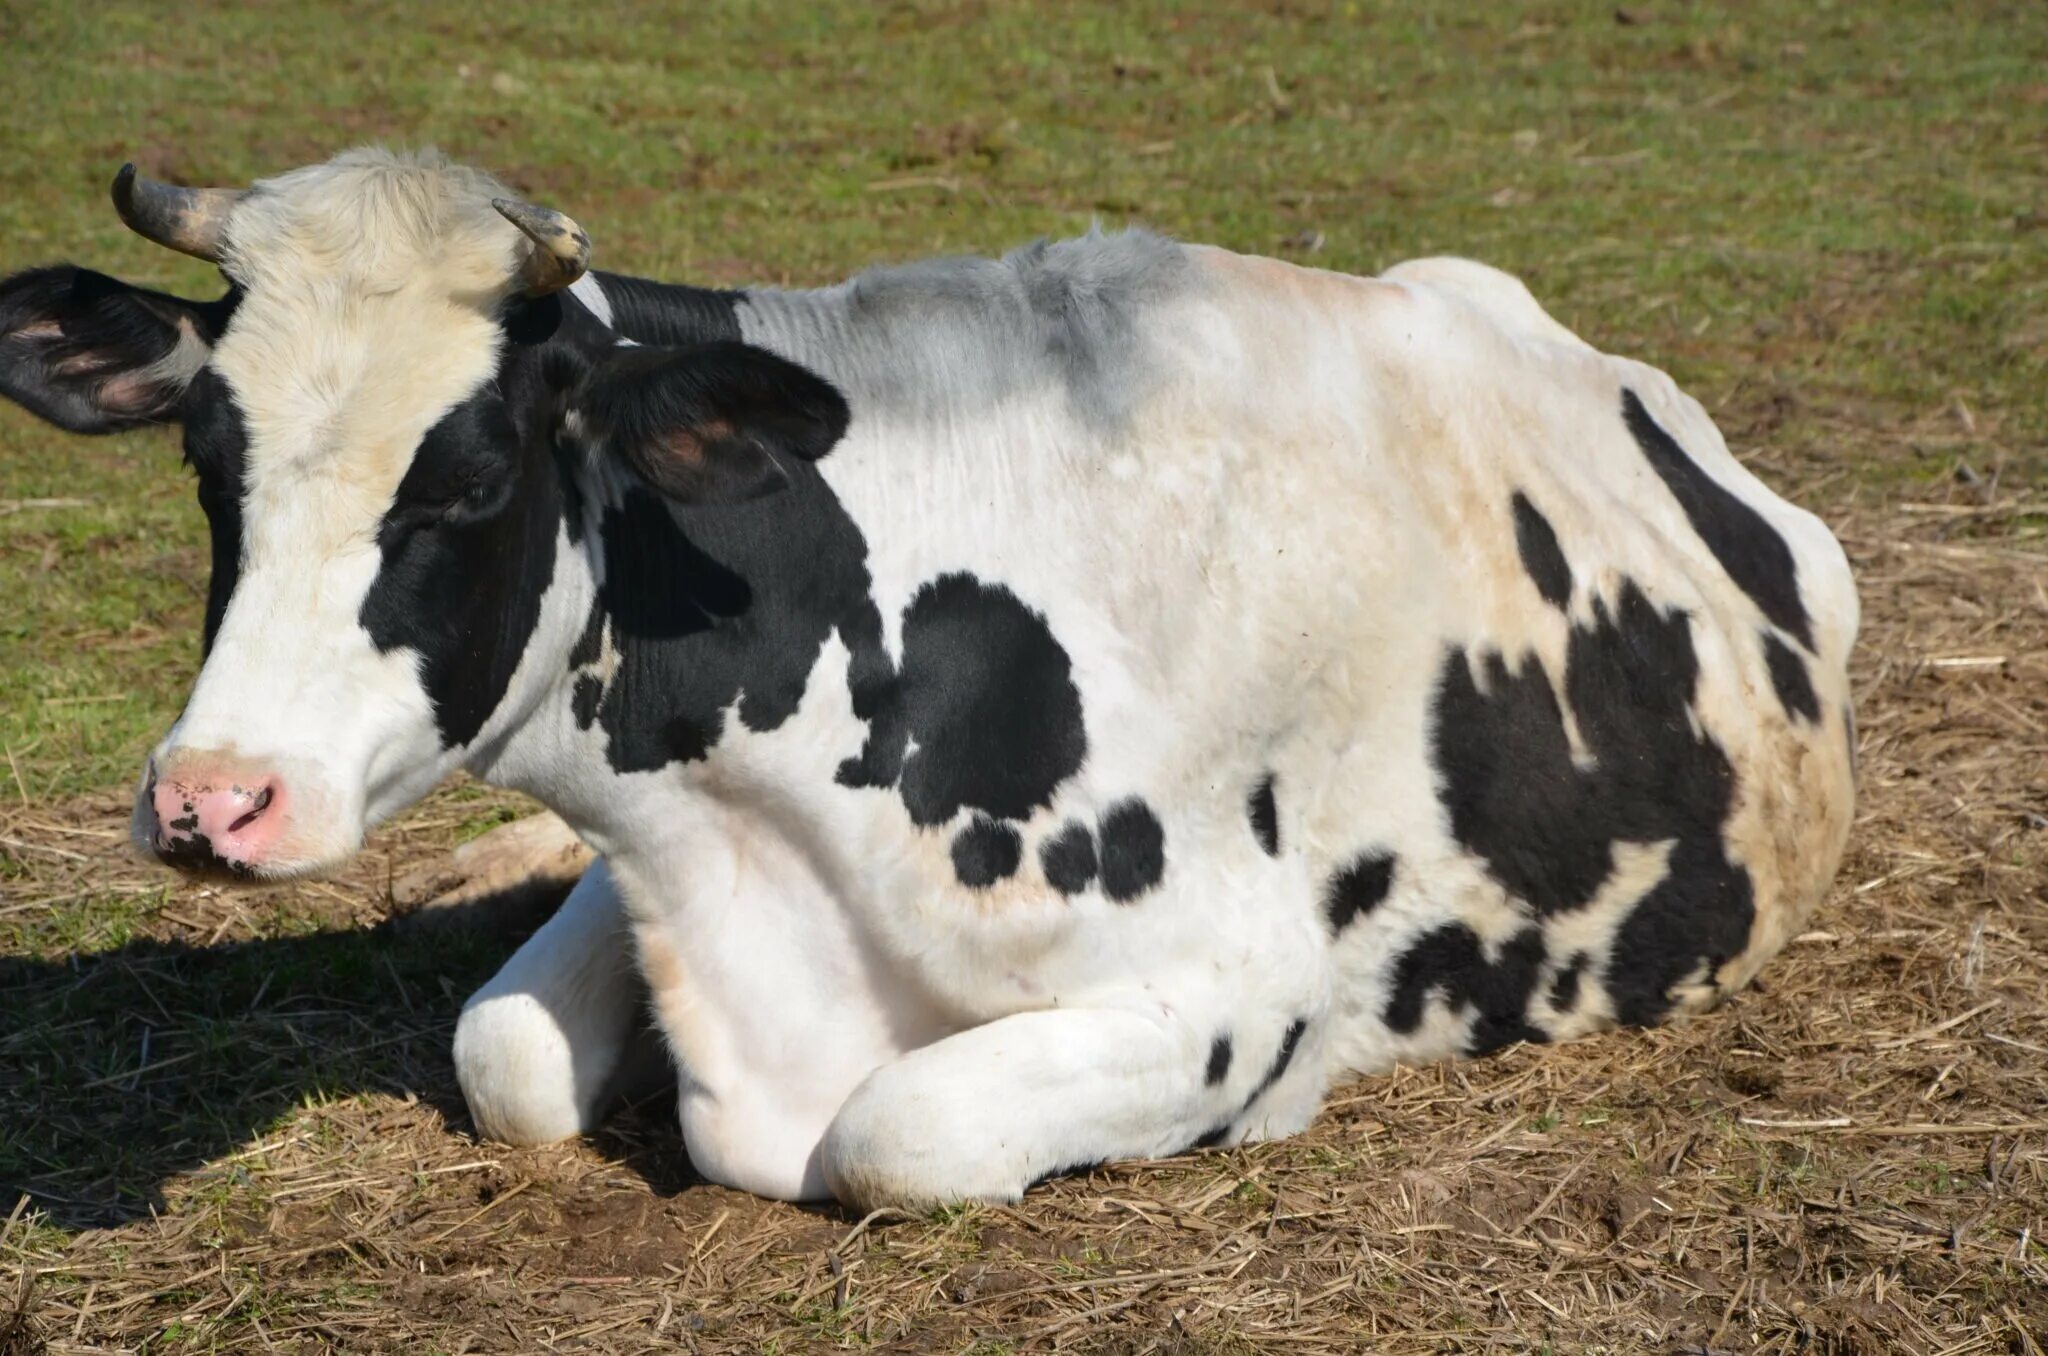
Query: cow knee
{"type": "Point", "coordinates": [519, 1072]}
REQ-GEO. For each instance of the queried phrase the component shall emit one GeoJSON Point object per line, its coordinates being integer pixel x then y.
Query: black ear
{"type": "Point", "coordinates": [711, 423]}
{"type": "Point", "coordinates": [92, 354]}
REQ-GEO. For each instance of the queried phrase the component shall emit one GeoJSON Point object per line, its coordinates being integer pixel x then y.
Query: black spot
{"type": "Point", "coordinates": [985, 852]}
{"type": "Point", "coordinates": [1749, 549]}
{"type": "Point", "coordinates": [468, 544]}
{"type": "Point", "coordinates": [1791, 681]}
{"type": "Point", "coordinates": [722, 603]}
{"type": "Point", "coordinates": [1069, 859]}
{"type": "Point", "coordinates": [1546, 826]}
{"type": "Point", "coordinates": [1133, 850]}
{"type": "Point", "coordinates": [586, 698]}
{"type": "Point", "coordinates": [987, 695]}
{"type": "Point", "coordinates": [1289, 1040]}
{"type": "Point", "coordinates": [1849, 736]}
{"type": "Point", "coordinates": [1541, 556]}
{"type": "Point", "coordinates": [217, 450]}
{"type": "Point", "coordinates": [1358, 889]}
{"type": "Point", "coordinates": [1264, 813]}
{"type": "Point", "coordinates": [195, 855]}
{"type": "Point", "coordinates": [1452, 964]}
{"type": "Point", "coordinates": [185, 825]}
{"type": "Point", "coordinates": [1219, 1061]}
{"type": "Point", "coordinates": [1564, 986]}
{"type": "Point", "coordinates": [589, 646]}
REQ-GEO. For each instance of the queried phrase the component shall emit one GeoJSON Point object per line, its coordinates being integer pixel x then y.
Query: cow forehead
{"type": "Point", "coordinates": [370, 291]}
{"type": "Point", "coordinates": [379, 219]}
{"type": "Point", "coordinates": [345, 392]}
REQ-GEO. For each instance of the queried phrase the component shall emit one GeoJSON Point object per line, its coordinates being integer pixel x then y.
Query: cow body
{"type": "Point", "coordinates": [1185, 677]}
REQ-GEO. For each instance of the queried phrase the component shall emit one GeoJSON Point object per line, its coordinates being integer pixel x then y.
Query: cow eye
{"type": "Point", "coordinates": [465, 469]}
{"type": "Point", "coordinates": [478, 495]}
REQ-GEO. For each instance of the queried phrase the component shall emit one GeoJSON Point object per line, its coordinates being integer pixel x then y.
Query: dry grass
{"type": "Point", "coordinates": [1853, 1157]}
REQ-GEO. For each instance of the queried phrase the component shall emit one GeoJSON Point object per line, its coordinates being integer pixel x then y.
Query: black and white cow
{"type": "Point", "coordinates": [1030, 711]}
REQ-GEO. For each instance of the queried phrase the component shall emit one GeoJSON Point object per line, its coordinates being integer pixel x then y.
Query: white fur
{"type": "Point", "coordinates": [590, 292]}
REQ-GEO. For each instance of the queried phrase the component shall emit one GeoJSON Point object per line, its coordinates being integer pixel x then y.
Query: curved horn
{"type": "Point", "coordinates": [560, 253]}
{"type": "Point", "coordinates": [189, 220]}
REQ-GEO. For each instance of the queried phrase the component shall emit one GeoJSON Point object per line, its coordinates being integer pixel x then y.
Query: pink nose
{"type": "Point", "coordinates": [200, 823]}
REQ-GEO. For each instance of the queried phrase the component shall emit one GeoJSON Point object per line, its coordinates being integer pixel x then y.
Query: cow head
{"type": "Point", "coordinates": [390, 414]}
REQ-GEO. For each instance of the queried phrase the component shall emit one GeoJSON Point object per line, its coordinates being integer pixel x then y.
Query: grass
{"type": "Point", "coordinates": [1829, 221]}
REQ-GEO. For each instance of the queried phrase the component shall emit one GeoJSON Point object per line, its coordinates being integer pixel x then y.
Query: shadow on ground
{"type": "Point", "coordinates": [126, 1068]}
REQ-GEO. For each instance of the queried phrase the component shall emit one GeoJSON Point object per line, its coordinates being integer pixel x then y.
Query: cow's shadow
{"type": "Point", "coordinates": [123, 1069]}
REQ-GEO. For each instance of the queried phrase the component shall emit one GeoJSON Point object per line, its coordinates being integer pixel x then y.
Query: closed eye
{"type": "Point", "coordinates": [477, 494]}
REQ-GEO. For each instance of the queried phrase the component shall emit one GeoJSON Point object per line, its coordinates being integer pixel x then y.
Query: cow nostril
{"type": "Point", "coordinates": [262, 803]}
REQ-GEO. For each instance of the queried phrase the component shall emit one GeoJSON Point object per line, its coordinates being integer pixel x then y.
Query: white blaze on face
{"type": "Point", "coordinates": [370, 291]}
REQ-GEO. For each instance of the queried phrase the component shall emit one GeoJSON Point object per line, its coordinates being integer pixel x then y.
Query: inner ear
{"type": "Point", "coordinates": [693, 446]}
{"type": "Point", "coordinates": [711, 463]}
{"type": "Point", "coordinates": [719, 423]}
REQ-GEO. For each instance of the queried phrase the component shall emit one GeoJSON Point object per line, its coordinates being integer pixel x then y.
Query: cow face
{"type": "Point", "coordinates": [386, 415]}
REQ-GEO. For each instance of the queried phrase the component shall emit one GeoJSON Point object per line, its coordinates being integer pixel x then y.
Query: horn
{"type": "Point", "coordinates": [560, 253]}
{"type": "Point", "coordinates": [189, 220]}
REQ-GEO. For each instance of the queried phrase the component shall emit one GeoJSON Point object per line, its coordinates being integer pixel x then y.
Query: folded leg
{"type": "Point", "coordinates": [561, 1032]}
{"type": "Point", "coordinates": [984, 1114]}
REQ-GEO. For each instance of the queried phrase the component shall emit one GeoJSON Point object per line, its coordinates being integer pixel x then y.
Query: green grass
{"type": "Point", "coordinates": [1837, 208]}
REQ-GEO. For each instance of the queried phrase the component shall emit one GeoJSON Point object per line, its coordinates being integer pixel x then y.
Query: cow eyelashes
{"type": "Point", "coordinates": [477, 495]}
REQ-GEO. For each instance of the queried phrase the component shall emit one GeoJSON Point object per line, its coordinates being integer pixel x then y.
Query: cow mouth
{"type": "Point", "coordinates": [195, 857]}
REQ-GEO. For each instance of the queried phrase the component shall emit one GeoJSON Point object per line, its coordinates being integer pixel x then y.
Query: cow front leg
{"type": "Point", "coordinates": [985, 1114]}
{"type": "Point", "coordinates": [559, 1033]}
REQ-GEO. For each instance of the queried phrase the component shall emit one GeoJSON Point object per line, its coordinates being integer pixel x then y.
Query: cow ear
{"type": "Point", "coordinates": [92, 354]}
{"type": "Point", "coordinates": [718, 423]}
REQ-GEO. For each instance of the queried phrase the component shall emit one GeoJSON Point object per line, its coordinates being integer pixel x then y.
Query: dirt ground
{"type": "Point", "coordinates": [1850, 1158]}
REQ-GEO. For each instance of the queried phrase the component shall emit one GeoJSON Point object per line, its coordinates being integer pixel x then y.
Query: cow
{"type": "Point", "coordinates": [1027, 711]}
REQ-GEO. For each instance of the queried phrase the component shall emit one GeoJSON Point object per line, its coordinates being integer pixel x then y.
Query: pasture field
{"type": "Point", "coordinates": [227, 1116]}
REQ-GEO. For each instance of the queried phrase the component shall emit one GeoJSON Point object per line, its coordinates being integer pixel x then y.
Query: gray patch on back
{"type": "Point", "coordinates": [934, 339]}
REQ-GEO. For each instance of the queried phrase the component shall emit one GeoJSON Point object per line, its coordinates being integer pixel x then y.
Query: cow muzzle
{"type": "Point", "coordinates": [209, 812]}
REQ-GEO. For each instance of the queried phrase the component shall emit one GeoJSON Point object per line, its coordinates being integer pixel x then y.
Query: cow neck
{"type": "Point", "coordinates": [671, 629]}
{"type": "Point", "coordinates": [649, 312]}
